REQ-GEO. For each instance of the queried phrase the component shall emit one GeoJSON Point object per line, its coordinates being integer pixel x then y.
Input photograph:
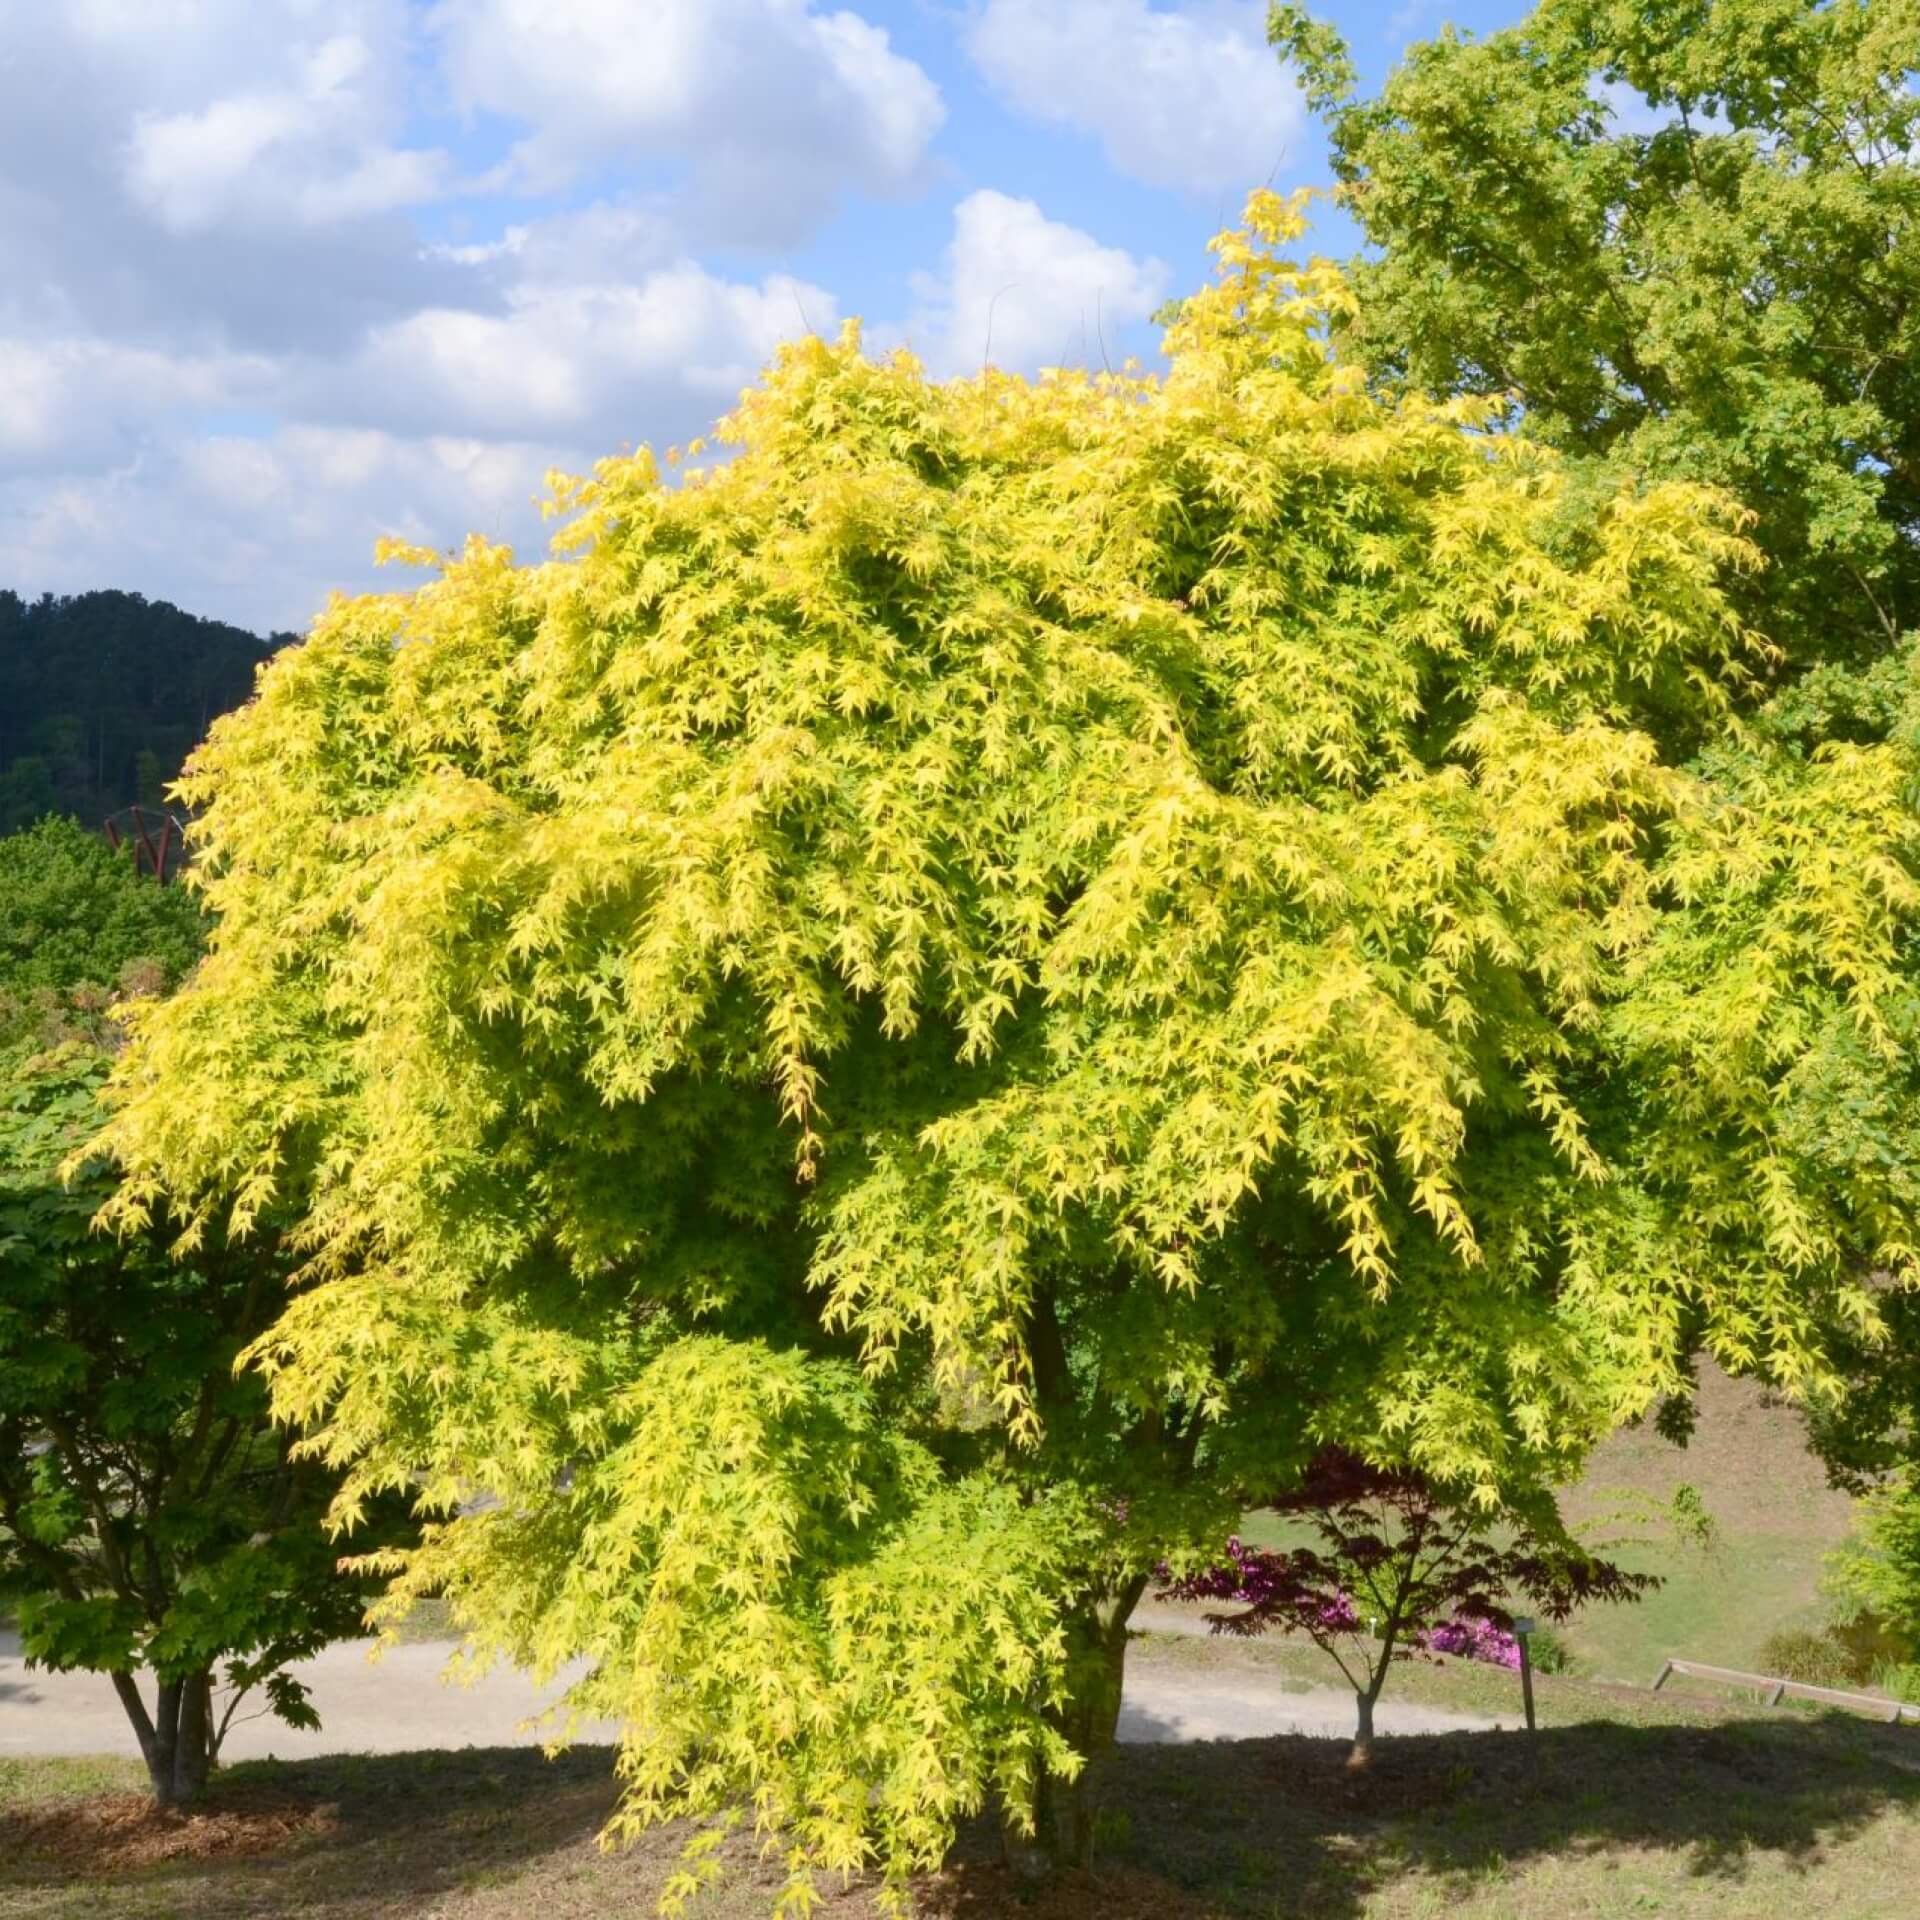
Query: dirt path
{"type": "Point", "coordinates": [402, 1702]}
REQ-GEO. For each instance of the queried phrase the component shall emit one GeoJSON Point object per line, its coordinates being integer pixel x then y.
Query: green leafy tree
{"type": "Point", "coordinates": [871, 1052]}
{"type": "Point", "coordinates": [1877, 1573]}
{"type": "Point", "coordinates": [1684, 240]}
{"type": "Point", "coordinates": [154, 1527]}
{"type": "Point", "coordinates": [73, 913]}
{"type": "Point", "coordinates": [26, 793]}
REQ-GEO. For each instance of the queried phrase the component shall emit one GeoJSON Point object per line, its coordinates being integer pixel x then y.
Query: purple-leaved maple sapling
{"type": "Point", "coordinates": [1397, 1556]}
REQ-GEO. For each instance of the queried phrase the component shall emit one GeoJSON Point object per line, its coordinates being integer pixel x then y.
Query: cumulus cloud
{"type": "Point", "coordinates": [442, 423]}
{"type": "Point", "coordinates": [770, 108]}
{"type": "Point", "coordinates": [229, 358]}
{"type": "Point", "coordinates": [1192, 98]}
{"type": "Point", "coordinates": [1023, 291]}
{"type": "Point", "coordinates": [311, 150]}
{"type": "Point", "coordinates": [594, 360]}
{"type": "Point", "coordinates": [214, 170]}
{"type": "Point", "coordinates": [268, 298]}
{"type": "Point", "coordinates": [88, 404]}
{"type": "Point", "coordinates": [259, 529]}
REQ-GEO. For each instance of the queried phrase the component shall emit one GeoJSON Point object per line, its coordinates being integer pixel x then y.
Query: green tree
{"type": "Point", "coordinates": [149, 779]}
{"type": "Point", "coordinates": [73, 913]}
{"type": "Point", "coordinates": [152, 1518]}
{"type": "Point", "coordinates": [1684, 239]}
{"type": "Point", "coordinates": [871, 1053]}
{"type": "Point", "coordinates": [92, 682]}
{"type": "Point", "coordinates": [26, 793]}
{"type": "Point", "coordinates": [1878, 1572]}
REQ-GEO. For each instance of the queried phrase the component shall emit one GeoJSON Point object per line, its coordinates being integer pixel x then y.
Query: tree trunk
{"type": "Point", "coordinates": [1065, 1810]}
{"type": "Point", "coordinates": [176, 1739]}
{"type": "Point", "coordinates": [1361, 1752]}
{"type": "Point", "coordinates": [193, 1750]}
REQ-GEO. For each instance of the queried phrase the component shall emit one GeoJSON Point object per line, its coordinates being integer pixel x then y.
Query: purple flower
{"type": "Point", "coordinates": [1474, 1640]}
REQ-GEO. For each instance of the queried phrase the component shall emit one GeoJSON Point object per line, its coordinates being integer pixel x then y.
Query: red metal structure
{"type": "Point", "coordinates": [157, 839]}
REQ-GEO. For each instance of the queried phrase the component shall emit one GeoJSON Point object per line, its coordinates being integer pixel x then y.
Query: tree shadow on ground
{"type": "Point", "coordinates": [1761, 1814]}
{"type": "Point", "coordinates": [1281, 1826]}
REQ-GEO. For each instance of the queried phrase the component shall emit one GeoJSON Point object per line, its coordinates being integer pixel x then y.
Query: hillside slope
{"type": "Point", "coordinates": [1774, 1518]}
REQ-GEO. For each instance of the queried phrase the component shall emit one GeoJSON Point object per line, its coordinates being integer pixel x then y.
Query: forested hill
{"type": "Point", "coordinates": [103, 695]}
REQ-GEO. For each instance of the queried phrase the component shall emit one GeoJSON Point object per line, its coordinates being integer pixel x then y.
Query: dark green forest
{"type": "Point", "coordinates": [103, 695]}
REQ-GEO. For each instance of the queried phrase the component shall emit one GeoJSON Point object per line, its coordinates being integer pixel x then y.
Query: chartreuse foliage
{"type": "Point", "coordinates": [1684, 242]}
{"type": "Point", "coordinates": [871, 1051]}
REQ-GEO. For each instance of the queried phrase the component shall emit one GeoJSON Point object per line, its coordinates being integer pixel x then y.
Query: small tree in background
{"type": "Point", "coordinates": [1403, 1567]}
{"type": "Point", "coordinates": [1878, 1571]}
{"type": "Point", "coordinates": [153, 1522]}
{"type": "Point", "coordinates": [73, 914]}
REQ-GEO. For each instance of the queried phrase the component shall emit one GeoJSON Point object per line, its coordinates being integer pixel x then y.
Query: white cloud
{"type": "Point", "coordinates": [258, 530]}
{"type": "Point", "coordinates": [235, 349]}
{"type": "Point", "coordinates": [228, 358]}
{"type": "Point", "coordinates": [598, 362]}
{"type": "Point", "coordinates": [771, 109]}
{"type": "Point", "coordinates": [175, 170]}
{"type": "Point", "coordinates": [1192, 98]}
{"type": "Point", "coordinates": [442, 423]}
{"type": "Point", "coordinates": [607, 241]}
{"type": "Point", "coordinates": [311, 148]}
{"type": "Point", "coordinates": [1024, 291]}
{"type": "Point", "coordinates": [88, 404]}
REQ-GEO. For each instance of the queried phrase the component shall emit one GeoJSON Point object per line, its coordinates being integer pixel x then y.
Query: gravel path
{"type": "Point", "coordinates": [402, 1702]}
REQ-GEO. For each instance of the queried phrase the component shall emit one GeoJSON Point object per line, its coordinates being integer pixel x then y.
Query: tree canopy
{"type": "Point", "coordinates": [919, 1014]}
{"type": "Point", "coordinates": [1685, 238]}
{"type": "Point", "coordinates": [74, 913]}
{"type": "Point", "coordinates": [1685, 242]}
{"type": "Point", "coordinates": [153, 1526]}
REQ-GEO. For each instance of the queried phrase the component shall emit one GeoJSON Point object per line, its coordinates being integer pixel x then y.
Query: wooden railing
{"type": "Point", "coordinates": [1774, 1690]}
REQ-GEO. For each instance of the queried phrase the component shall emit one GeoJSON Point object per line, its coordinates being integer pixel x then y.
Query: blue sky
{"type": "Point", "coordinates": [284, 275]}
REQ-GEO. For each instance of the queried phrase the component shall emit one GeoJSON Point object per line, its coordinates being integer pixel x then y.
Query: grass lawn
{"type": "Point", "coordinates": [1622, 1804]}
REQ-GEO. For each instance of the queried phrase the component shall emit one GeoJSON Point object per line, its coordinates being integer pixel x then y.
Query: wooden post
{"type": "Point", "coordinates": [1521, 1629]}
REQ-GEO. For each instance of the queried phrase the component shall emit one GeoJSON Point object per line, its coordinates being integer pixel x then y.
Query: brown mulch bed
{"type": "Point", "coordinates": [113, 1832]}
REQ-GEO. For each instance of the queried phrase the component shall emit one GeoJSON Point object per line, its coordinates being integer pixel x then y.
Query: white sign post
{"type": "Point", "coordinates": [1521, 1629]}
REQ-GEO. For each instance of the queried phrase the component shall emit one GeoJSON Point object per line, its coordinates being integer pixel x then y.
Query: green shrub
{"type": "Point", "coordinates": [1815, 1658]}
{"type": "Point", "coordinates": [1550, 1653]}
{"type": "Point", "coordinates": [1900, 1679]}
{"type": "Point", "coordinates": [1872, 1643]}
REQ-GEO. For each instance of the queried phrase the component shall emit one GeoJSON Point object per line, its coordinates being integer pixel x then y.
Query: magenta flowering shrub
{"type": "Point", "coordinates": [1470, 1639]}
{"type": "Point", "coordinates": [1262, 1580]}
